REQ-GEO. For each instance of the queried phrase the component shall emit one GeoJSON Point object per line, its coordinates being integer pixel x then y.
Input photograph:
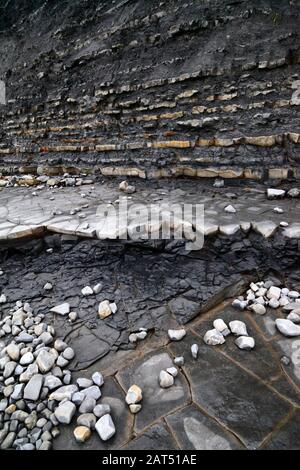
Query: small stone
{"type": "Point", "coordinates": [62, 309]}
{"type": "Point", "coordinates": [3, 299]}
{"type": "Point", "coordinates": [87, 291]}
{"type": "Point", "coordinates": [101, 410]}
{"type": "Point", "coordinates": [78, 398]}
{"type": "Point", "coordinates": [165, 380]}
{"type": "Point", "coordinates": [82, 433]}
{"type": "Point", "coordinates": [97, 378]}
{"type": "Point", "coordinates": [46, 445]}
{"type": "Point", "coordinates": [218, 183]}
{"type": "Point", "coordinates": [176, 335]}
{"type": "Point", "coordinates": [134, 409]}
{"type": "Point", "coordinates": [97, 288]}
{"type": "Point", "coordinates": [179, 361]}
{"type": "Point", "coordinates": [52, 382]}
{"type": "Point", "coordinates": [104, 309]}
{"type": "Point", "coordinates": [33, 388]}
{"type": "Point", "coordinates": [45, 361]}
{"type": "Point", "coordinates": [273, 303]}
{"type": "Point", "coordinates": [84, 383]}
{"type": "Point", "coordinates": [8, 441]}
{"type": "Point", "coordinates": [287, 327]}
{"type": "Point", "coordinates": [93, 392]}
{"type": "Point", "coordinates": [18, 392]}
{"type": "Point", "coordinates": [68, 354]}
{"type": "Point", "coordinates": [126, 188]}
{"type": "Point", "coordinates": [46, 338]}
{"type": "Point", "coordinates": [134, 395]}
{"type": "Point", "coordinates": [133, 338]}
{"type": "Point", "coordinates": [294, 192]}
{"type": "Point", "coordinates": [60, 345]}
{"type": "Point", "coordinates": [10, 409]}
{"type": "Point", "coordinates": [87, 419]}
{"type": "Point", "coordinates": [258, 309]}
{"type": "Point", "coordinates": [213, 338]}
{"type": "Point", "coordinates": [40, 328]}
{"type": "Point", "coordinates": [105, 427]}
{"type": "Point", "coordinates": [283, 301]}
{"type": "Point", "coordinates": [9, 369]}
{"type": "Point", "coordinates": [48, 286]}
{"type": "Point", "coordinates": [24, 338]}
{"type": "Point", "coordinates": [63, 393]}
{"type": "Point", "coordinates": [13, 351]}
{"type": "Point", "coordinates": [230, 209]}
{"type": "Point", "coordinates": [62, 362]}
{"type": "Point", "coordinates": [87, 405]}
{"type": "Point", "coordinates": [278, 210]}
{"type": "Point", "coordinates": [172, 371]}
{"type": "Point", "coordinates": [31, 370]}
{"type": "Point", "coordinates": [27, 359]}
{"type": "Point", "coordinates": [73, 316]}
{"type": "Point", "coordinates": [294, 317]}
{"type": "Point", "coordinates": [293, 294]}
{"type": "Point", "coordinates": [221, 326]}
{"type": "Point", "coordinates": [141, 335]}
{"type": "Point", "coordinates": [275, 193]}
{"type": "Point", "coordinates": [67, 378]}
{"type": "Point", "coordinates": [245, 342]}
{"type": "Point", "coordinates": [194, 350]}
{"type": "Point", "coordinates": [65, 412]}
{"type": "Point", "coordinates": [239, 304]}
{"type": "Point", "coordinates": [285, 360]}
{"type": "Point", "coordinates": [254, 287]}
{"type": "Point", "coordinates": [238, 328]}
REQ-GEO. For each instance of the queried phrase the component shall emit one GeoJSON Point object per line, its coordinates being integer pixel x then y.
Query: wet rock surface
{"type": "Point", "coordinates": [190, 394]}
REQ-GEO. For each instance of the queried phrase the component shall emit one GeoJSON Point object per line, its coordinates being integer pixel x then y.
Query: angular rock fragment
{"type": "Point", "coordinates": [287, 327]}
{"type": "Point", "coordinates": [65, 412]}
{"type": "Point", "coordinates": [165, 380]}
{"type": "Point", "coordinates": [176, 335]}
{"type": "Point", "coordinates": [105, 427]}
{"type": "Point", "coordinates": [245, 342]}
{"type": "Point", "coordinates": [62, 309]}
{"type": "Point", "coordinates": [213, 337]}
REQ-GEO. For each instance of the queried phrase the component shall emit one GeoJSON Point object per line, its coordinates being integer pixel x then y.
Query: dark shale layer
{"type": "Point", "coordinates": [151, 88]}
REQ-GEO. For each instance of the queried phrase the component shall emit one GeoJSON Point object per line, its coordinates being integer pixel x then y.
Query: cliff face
{"type": "Point", "coordinates": [151, 88]}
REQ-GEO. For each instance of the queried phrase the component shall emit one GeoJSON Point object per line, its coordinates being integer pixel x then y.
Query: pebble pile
{"type": "Point", "coordinates": [36, 393]}
{"type": "Point", "coordinates": [265, 294]}
{"type": "Point", "coordinates": [220, 331]}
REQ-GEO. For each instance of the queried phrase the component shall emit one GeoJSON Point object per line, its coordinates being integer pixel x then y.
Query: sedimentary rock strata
{"type": "Point", "coordinates": [151, 89]}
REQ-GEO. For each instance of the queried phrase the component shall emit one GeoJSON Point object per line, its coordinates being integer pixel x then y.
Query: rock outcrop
{"type": "Point", "coordinates": [151, 89]}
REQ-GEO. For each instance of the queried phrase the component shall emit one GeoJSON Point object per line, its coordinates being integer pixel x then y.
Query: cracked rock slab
{"type": "Point", "coordinates": [156, 402]}
{"type": "Point", "coordinates": [229, 394]}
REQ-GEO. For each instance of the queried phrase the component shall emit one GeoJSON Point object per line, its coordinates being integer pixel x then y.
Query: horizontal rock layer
{"type": "Point", "coordinates": [151, 89]}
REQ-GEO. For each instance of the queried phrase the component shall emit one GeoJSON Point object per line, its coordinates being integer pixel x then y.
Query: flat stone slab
{"type": "Point", "coordinates": [157, 437]}
{"type": "Point", "coordinates": [229, 394]}
{"type": "Point", "coordinates": [156, 402]}
{"type": "Point", "coordinates": [196, 431]}
{"type": "Point", "coordinates": [287, 437]}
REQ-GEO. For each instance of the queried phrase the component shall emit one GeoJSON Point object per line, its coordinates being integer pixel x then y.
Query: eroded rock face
{"type": "Point", "coordinates": [147, 81]}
